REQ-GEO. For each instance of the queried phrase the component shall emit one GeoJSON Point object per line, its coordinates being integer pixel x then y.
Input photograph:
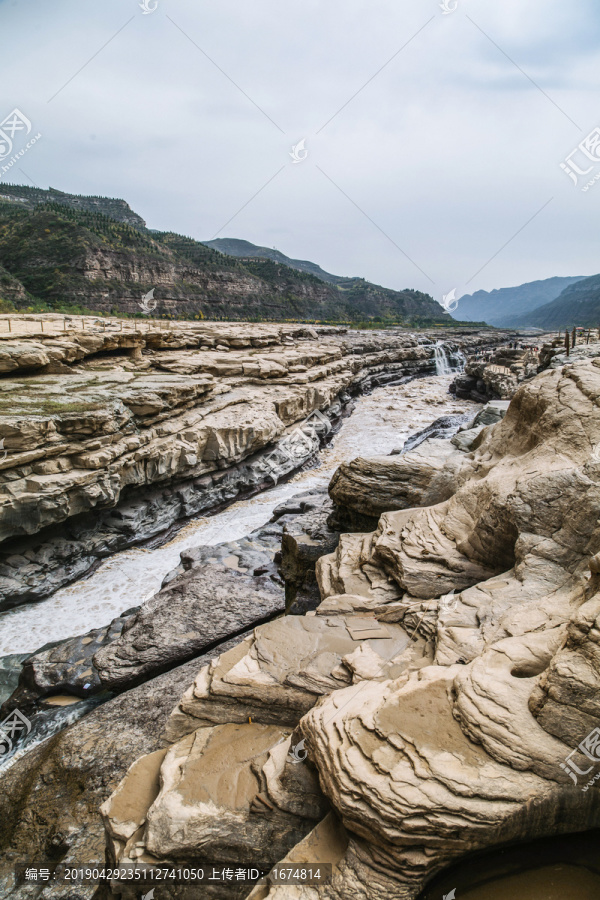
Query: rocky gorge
{"type": "Point", "coordinates": [110, 436]}
{"type": "Point", "coordinates": [430, 694]}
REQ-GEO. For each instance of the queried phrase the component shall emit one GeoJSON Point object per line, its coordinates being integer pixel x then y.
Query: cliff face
{"type": "Point", "coordinates": [30, 197]}
{"type": "Point", "coordinates": [96, 254]}
{"type": "Point", "coordinates": [163, 422]}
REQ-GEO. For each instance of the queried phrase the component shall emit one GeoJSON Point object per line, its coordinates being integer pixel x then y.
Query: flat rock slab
{"type": "Point", "coordinates": [200, 607]}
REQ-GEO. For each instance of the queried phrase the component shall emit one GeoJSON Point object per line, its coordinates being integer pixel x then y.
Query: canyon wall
{"type": "Point", "coordinates": [110, 436]}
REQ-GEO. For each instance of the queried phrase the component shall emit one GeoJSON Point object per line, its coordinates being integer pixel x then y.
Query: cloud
{"type": "Point", "coordinates": [444, 148]}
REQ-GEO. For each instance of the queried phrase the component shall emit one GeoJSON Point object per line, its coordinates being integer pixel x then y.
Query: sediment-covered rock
{"type": "Point", "coordinates": [50, 799]}
{"type": "Point", "coordinates": [446, 687]}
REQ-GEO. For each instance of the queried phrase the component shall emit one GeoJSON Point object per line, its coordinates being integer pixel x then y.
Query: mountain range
{"type": "Point", "coordinates": [578, 304]}
{"type": "Point", "coordinates": [554, 303]}
{"type": "Point", "coordinates": [507, 307]}
{"type": "Point", "coordinates": [67, 252]}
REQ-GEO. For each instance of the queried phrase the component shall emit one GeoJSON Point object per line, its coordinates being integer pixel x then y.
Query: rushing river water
{"type": "Point", "coordinates": [567, 867]}
{"type": "Point", "coordinates": [380, 423]}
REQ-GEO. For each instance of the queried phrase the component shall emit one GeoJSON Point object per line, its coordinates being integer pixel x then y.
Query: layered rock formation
{"type": "Point", "coordinates": [495, 375]}
{"type": "Point", "coordinates": [110, 436]}
{"type": "Point", "coordinates": [444, 692]}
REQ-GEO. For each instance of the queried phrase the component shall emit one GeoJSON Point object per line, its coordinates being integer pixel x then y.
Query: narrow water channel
{"type": "Point", "coordinates": [380, 423]}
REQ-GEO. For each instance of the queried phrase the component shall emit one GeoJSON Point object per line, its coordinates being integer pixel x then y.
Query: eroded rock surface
{"type": "Point", "coordinates": [446, 688]}
{"type": "Point", "coordinates": [496, 374]}
{"type": "Point", "coordinates": [203, 606]}
{"type": "Point", "coordinates": [110, 437]}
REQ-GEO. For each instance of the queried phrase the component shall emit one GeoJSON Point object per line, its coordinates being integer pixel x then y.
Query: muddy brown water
{"type": "Point", "coordinates": [566, 867]}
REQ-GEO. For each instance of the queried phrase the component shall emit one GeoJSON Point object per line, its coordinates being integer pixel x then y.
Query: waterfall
{"type": "Point", "coordinates": [462, 360]}
{"type": "Point", "coordinates": [447, 365]}
{"type": "Point", "coordinates": [442, 365]}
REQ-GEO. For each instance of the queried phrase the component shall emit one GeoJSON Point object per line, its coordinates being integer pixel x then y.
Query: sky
{"type": "Point", "coordinates": [429, 140]}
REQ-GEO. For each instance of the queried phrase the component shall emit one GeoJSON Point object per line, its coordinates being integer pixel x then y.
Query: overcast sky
{"type": "Point", "coordinates": [432, 138]}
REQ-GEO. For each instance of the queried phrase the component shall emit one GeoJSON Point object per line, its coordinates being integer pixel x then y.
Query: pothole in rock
{"type": "Point", "coordinates": [529, 669]}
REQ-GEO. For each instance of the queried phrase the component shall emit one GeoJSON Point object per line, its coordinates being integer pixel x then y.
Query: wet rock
{"type": "Point", "coordinates": [65, 668]}
{"type": "Point", "coordinates": [197, 609]}
{"type": "Point", "coordinates": [443, 429]}
{"type": "Point", "coordinates": [491, 413]}
{"type": "Point", "coordinates": [57, 788]}
{"type": "Point", "coordinates": [445, 686]}
{"type": "Point", "coordinates": [126, 442]}
{"type": "Point", "coordinates": [305, 539]}
{"type": "Point", "coordinates": [10, 670]}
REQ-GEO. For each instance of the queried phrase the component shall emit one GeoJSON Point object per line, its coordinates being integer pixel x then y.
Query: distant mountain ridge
{"type": "Point", "coordinates": [578, 304]}
{"type": "Point", "coordinates": [241, 248]}
{"type": "Point", "coordinates": [505, 307]}
{"type": "Point", "coordinates": [75, 253]}
{"type": "Point", "coordinates": [29, 198]}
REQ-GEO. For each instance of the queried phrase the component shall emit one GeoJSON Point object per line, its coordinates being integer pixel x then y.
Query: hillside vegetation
{"type": "Point", "coordinates": [67, 253]}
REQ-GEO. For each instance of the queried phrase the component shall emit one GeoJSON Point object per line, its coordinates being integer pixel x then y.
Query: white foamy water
{"type": "Point", "coordinates": [381, 422]}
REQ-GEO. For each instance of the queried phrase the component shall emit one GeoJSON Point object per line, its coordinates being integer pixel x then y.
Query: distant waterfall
{"type": "Point", "coordinates": [462, 360]}
{"type": "Point", "coordinates": [444, 363]}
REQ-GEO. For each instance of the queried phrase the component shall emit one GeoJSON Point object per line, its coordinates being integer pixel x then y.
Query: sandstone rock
{"type": "Point", "coordinates": [466, 737]}
{"type": "Point", "coordinates": [229, 789]}
{"type": "Point", "coordinates": [115, 449]}
{"type": "Point", "coordinates": [275, 676]}
{"type": "Point", "coordinates": [199, 608]}
{"type": "Point", "coordinates": [363, 489]}
{"type": "Point", "coordinates": [50, 799]}
{"type": "Point", "coordinates": [304, 540]}
{"type": "Point", "coordinates": [495, 375]}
